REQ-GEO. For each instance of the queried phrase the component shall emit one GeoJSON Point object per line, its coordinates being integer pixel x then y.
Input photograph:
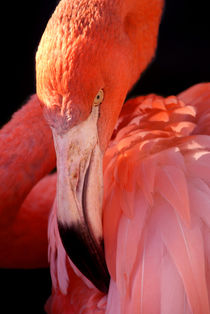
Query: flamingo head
{"type": "Point", "coordinates": [90, 55]}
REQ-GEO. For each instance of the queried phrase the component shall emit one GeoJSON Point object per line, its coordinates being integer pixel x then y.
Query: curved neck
{"type": "Point", "coordinates": [27, 154]}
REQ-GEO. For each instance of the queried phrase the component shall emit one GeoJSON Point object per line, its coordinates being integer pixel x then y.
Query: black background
{"type": "Point", "coordinates": [182, 59]}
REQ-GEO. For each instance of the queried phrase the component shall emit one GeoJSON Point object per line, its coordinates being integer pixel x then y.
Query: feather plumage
{"type": "Point", "coordinates": [162, 248]}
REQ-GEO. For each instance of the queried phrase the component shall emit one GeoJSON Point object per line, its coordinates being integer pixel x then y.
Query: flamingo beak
{"type": "Point", "coordinates": [79, 199]}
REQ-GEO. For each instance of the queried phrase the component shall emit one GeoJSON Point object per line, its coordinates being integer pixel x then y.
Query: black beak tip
{"type": "Point", "coordinates": [86, 253]}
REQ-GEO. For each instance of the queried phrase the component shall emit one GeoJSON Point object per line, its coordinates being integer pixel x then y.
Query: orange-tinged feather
{"type": "Point", "coordinates": [172, 186]}
{"type": "Point", "coordinates": [110, 226]}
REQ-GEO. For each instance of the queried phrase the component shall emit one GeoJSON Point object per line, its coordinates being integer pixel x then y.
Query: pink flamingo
{"type": "Point", "coordinates": [155, 216]}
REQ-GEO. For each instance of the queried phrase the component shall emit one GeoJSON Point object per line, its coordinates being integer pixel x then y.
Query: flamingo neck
{"type": "Point", "coordinates": [29, 139]}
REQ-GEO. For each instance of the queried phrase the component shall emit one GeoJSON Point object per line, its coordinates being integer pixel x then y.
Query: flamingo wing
{"type": "Point", "coordinates": [156, 205]}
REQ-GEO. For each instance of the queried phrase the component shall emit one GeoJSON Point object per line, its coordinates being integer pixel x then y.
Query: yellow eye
{"type": "Point", "coordinates": [99, 98]}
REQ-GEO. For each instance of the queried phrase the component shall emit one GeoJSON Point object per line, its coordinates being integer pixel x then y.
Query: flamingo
{"type": "Point", "coordinates": [143, 246]}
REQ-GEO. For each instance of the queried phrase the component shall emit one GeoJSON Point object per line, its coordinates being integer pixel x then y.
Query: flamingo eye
{"type": "Point", "coordinates": [99, 98]}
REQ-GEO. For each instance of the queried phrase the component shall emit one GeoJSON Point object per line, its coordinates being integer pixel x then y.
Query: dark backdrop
{"type": "Point", "coordinates": [182, 59]}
